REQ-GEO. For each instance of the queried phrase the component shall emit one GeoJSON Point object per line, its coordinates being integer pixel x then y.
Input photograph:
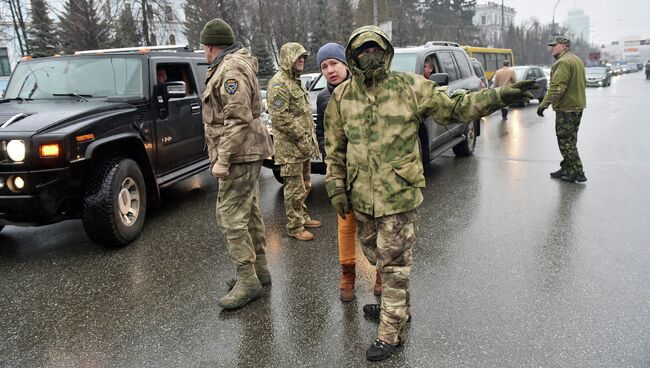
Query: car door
{"type": "Point", "coordinates": [179, 124]}
{"type": "Point", "coordinates": [437, 133]}
{"type": "Point", "coordinates": [535, 74]}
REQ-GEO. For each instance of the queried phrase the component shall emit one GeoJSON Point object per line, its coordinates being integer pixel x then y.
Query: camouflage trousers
{"type": "Point", "coordinates": [297, 185]}
{"type": "Point", "coordinates": [238, 212]}
{"type": "Point", "coordinates": [387, 242]}
{"type": "Point", "coordinates": [566, 130]}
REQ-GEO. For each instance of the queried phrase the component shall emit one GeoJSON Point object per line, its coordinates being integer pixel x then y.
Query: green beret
{"type": "Point", "coordinates": [217, 32]}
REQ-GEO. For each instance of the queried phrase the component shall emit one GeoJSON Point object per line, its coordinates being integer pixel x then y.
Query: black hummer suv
{"type": "Point", "coordinates": [451, 68]}
{"type": "Point", "coordinates": [97, 134]}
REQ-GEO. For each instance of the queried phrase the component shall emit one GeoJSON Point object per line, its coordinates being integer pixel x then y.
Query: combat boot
{"type": "Point", "coordinates": [247, 288]}
{"type": "Point", "coordinates": [377, 288]}
{"type": "Point", "coordinates": [374, 310]}
{"type": "Point", "coordinates": [381, 350]}
{"type": "Point", "coordinates": [312, 223]}
{"type": "Point", "coordinates": [557, 174]}
{"type": "Point", "coordinates": [261, 269]}
{"type": "Point", "coordinates": [346, 282]}
{"type": "Point", "coordinates": [580, 178]}
{"type": "Point", "coordinates": [303, 235]}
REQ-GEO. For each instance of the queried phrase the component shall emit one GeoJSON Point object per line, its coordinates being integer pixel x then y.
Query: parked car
{"type": "Point", "coordinates": [308, 78]}
{"type": "Point", "coordinates": [532, 72]}
{"type": "Point", "coordinates": [95, 137]}
{"type": "Point", "coordinates": [453, 70]}
{"type": "Point", "coordinates": [597, 76]}
{"type": "Point", "coordinates": [479, 71]}
{"type": "Point", "coordinates": [547, 74]}
{"type": "Point", "coordinates": [3, 85]}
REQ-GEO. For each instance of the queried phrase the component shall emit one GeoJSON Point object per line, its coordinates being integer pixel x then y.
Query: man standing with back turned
{"type": "Point", "coordinates": [567, 95]}
{"type": "Point", "coordinates": [237, 143]}
{"type": "Point", "coordinates": [502, 78]}
{"type": "Point", "coordinates": [371, 139]}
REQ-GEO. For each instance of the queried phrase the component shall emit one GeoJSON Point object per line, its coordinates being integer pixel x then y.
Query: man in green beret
{"type": "Point", "coordinates": [567, 95]}
{"type": "Point", "coordinates": [237, 143]}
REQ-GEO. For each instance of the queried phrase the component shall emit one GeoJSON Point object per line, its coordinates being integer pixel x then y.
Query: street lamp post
{"type": "Point", "coordinates": [553, 32]}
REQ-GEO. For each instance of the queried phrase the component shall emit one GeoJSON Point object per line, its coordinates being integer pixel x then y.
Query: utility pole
{"type": "Point", "coordinates": [502, 25]}
{"type": "Point", "coordinates": [553, 32]}
{"type": "Point", "coordinates": [375, 16]}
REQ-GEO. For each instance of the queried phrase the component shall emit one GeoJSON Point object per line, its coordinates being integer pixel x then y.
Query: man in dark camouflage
{"type": "Point", "coordinates": [294, 137]}
{"type": "Point", "coordinates": [371, 138]}
{"type": "Point", "coordinates": [567, 95]}
{"type": "Point", "coordinates": [237, 143]}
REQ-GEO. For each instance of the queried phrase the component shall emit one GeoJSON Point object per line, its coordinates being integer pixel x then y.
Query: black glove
{"type": "Point", "coordinates": [540, 111]}
{"type": "Point", "coordinates": [340, 204]}
{"type": "Point", "coordinates": [518, 92]}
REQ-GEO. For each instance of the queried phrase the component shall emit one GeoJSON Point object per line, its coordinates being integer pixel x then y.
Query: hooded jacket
{"type": "Point", "coordinates": [321, 104]}
{"type": "Point", "coordinates": [294, 136]}
{"type": "Point", "coordinates": [371, 132]}
{"type": "Point", "coordinates": [232, 106]}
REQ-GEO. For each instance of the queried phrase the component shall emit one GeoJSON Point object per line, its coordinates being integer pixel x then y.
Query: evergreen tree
{"type": "Point", "coordinates": [127, 31]}
{"type": "Point", "coordinates": [199, 12]}
{"type": "Point", "coordinates": [264, 58]}
{"type": "Point", "coordinates": [320, 34]}
{"type": "Point", "coordinates": [43, 41]}
{"type": "Point", "coordinates": [81, 28]}
{"type": "Point", "coordinates": [344, 22]}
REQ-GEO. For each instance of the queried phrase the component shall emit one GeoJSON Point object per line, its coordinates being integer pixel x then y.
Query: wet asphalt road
{"type": "Point", "coordinates": [512, 269]}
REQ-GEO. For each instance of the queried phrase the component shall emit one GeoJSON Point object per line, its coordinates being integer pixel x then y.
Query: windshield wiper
{"type": "Point", "coordinates": [82, 97]}
{"type": "Point", "coordinates": [16, 99]}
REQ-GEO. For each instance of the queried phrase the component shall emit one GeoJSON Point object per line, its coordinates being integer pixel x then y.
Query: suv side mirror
{"type": "Point", "coordinates": [175, 89]}
{"type": "Point", "coordinates": [442, 79]}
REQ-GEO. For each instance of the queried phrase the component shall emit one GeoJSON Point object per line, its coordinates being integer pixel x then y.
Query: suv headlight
{"type": "Point", "coordinates": [16, 150]}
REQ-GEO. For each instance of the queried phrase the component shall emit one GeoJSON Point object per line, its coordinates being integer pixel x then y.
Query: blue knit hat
{"type": "Point", "coordinates": [331, 51]}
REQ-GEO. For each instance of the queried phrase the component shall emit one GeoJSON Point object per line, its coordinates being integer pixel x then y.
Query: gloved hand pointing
{"type": "Point", "coordinates": [518, 92]}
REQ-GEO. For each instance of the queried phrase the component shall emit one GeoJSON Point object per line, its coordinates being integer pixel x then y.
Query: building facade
{"type": "Point", "coordinates": [488, 18]}
{"type": "Point", "coordinates": [578, 24]}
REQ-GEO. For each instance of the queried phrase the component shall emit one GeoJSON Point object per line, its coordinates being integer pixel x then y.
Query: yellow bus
{"type": "Point", "coordinates": [491, 59]}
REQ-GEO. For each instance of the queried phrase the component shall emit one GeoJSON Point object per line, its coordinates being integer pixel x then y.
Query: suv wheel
{"type": "Point", "coordinates": [115, 202]}
{"type": "Point", "coordinates": [466, 147]}
{"type": "Point", "coordinates": [424, 155]}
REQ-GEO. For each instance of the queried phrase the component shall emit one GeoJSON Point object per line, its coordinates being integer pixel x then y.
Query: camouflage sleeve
{"type": "Point", "coordinates": [235, 95]}
{"type": "Point", "coordinates": [283, 120]}
{"type": "Point", "coordinates": [560, 75]}
{"type": "Point", "coordinates": [336, 144]}
{"type": "Point", "coordinates": [460, 107]}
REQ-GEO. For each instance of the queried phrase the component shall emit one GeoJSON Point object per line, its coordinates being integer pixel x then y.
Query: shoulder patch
{"type": "Point", "coordinates": [230, 85]}
{"type": "Point", "coordinates": [278, 102]}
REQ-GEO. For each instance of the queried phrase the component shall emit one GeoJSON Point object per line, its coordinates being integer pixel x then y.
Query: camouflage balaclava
{"type": "Point", "coordinates": [371, 66]}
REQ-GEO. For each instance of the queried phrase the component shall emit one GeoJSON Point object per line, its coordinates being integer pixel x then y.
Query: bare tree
{"type": "Point", "coordinates": [16, 10]}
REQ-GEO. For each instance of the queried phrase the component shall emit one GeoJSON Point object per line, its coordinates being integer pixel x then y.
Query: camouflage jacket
{"type": "Point", "coordinates": [568, 84]}
{"type": "Point", "coordinates": [232, 105]}
{"type": "Point", "coordinates": [294, 135]}
{"type": "Point", "coordinates": [371, 133]}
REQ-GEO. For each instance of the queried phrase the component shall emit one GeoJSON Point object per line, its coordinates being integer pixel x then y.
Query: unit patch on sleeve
{"type": "Point", "coordinates": [230, 85]}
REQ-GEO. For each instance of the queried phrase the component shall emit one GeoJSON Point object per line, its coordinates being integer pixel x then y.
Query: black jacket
{"type": "Point", "coordinates": [321, 104]}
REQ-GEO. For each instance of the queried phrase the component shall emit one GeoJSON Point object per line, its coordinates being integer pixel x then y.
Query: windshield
{"type": "Point", "coordinates": [404, 62]}
{"type": "Point", "coordinates": [96, 77]}
{"type": "Point", "coordinates": [320, 84]}
{"type": "Point", "coordinates": [596, 71]}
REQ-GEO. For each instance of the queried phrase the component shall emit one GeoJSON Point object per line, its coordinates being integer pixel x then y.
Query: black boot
{"type": "Point", "coordinates": [580, 178]}
{"type": "Point", "coordinates": [557, 174]}
{"type": "Point", "coordinates": [373, 311]}
{"type": "Point", "coordinates": [380, 350]}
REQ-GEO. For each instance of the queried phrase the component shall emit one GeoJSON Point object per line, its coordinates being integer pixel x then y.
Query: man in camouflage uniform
{"type": "Point", "coordinates": [294, 138]}
{"type": "Point", "coordinates": [237, 143]}
{"type": "Point", "coordinates": [371, 138]}
{"type": "Point", "coordinates": [567, 95]}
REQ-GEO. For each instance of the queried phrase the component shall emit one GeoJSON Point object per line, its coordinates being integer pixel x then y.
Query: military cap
{"type": "Point", "coordinates": [560, 40]}
{"type": "Point", "coordinates": [217, 32]}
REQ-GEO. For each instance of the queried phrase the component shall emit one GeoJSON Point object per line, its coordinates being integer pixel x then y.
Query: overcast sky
{"type": "Point", "coordinates": [610, 19]}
